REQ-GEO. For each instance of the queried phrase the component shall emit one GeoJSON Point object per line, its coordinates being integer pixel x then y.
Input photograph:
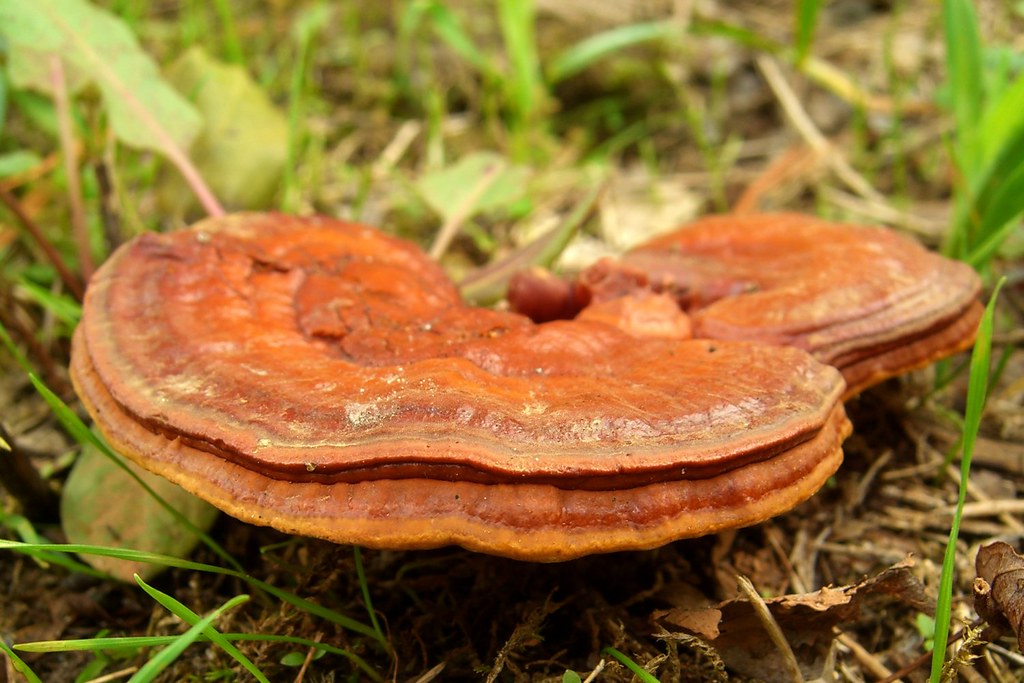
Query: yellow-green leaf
{"type": "Point", "coordinates": [102, 505]}
{"type": "Point", "coordinates": [243, 146]}
{"type": "Point", "coordinates": [96, 47]}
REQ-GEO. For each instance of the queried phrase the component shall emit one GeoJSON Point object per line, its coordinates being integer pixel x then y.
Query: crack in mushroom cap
{"type": "Point", "coordinates": [325, 379]}
{"type": "Point", "coordinates": [864, 299]}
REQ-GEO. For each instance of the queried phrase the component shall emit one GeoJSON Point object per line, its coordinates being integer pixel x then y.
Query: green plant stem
{"type": "Point", "coordinates": [976, 393]}
{"type": "Point", "coordinates": [364, 586]}
{"type": "Point", "coordinates": [232, 45]}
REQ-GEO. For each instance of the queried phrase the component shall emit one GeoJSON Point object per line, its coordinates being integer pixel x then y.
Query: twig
{"type": "Point", "coordinates": [9, 319]}
{"type": "Point", "coordinates": [867, 660]}
{"type": "Point", "coordinates": [772, 627]}
{"type": "Point", "coordinates": [38, 501]}
{"type": "Point", "coordinates": [597, 670]}
{"type": "Point", "coordinates": [109, 213]}
{"type": "Point", "coordinates": [810, 133]}
{"type": "Point", "coordinates": [70, 281]}
{"type": "Point", "coordinates": [67, 143]}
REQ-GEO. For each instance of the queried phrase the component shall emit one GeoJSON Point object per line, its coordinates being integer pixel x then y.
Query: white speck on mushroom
{"type": "Point", "coordinates": [537, 408]}
{"type": "Point", "coordinates": [362, 414]}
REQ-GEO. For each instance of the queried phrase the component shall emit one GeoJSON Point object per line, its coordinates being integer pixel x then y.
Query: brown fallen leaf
{"type": "Point", "coordinates": [999, 589]}
{"type": "Point", "coordinates": [807, 621]}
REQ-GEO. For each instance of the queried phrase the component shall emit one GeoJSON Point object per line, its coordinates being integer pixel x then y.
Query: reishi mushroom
{"type": "Point", "coordinates": [325, 379]}
{"type": "Point", "coordinates": [866, 300]}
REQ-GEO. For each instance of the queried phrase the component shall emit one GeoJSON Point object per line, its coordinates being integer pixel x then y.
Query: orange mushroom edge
{"type": "Point", "coordinates": [326, 379]}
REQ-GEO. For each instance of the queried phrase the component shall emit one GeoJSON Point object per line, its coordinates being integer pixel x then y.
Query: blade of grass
{"type": "Point", "coordinates": [83, 435]}
{"type": "Point", "coordinates": [138, 642]}
{"type": "Point", "coordinates": [637, 670]}
{"type": "Point", "coordinates": [189, 617]}
{"type": "Point", "coordinates": [517, 20]}
{"type": "Point", "coordinates": [301, 604]}
{"type": "Point", "coordinates": [593, 49]}
{"type": "Point", "coordinates": [163, 659]}
{"type": "Point", "coordinates": [63, 307]}
{"type": "Point", "coordinates": [806, 21]}
{"type": "Point", "coordinates": [18, 665]}
{"type": "Point", "coordinates": [24, 529]}
{"type": "Point", "coordinates": [364, 587]}
{"type": "Point", "coordinates": [232, 45]}
{"type": "Point", "coordinates": [977, 391]}
{"type": "Point", "coordinates": [488, 284]}
{"type": "Point", "coordinates": [524, 89]}
{"type": "Point", "coordinates": [1001, 219]}
{"type": "Point", "coordinates": [448, 27]}
{"type": "Point", "coordinates": [963, 60]}
{"type": "Point", "coordinates": [307, 27]}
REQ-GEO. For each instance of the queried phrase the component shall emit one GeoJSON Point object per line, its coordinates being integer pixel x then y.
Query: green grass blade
{"type": "Point", "coordinates": [28, 534]}
{"type": "Point", "coordinates": [591, 50]}
{"type": "Point", "coordinates": [62, 306]}
{"type": "Point", "coordinates": [637, 670]}
{"type": "Point", "coordinates": [307, 26]}
{"type": "Point", "coordinates": [1001, 217]}
{"type": "Point", "coordinates": [18, 665]}
{"type": "Point", "coordinates": [517, 20]}
{"type": "Point", "coordinates": [166, 656]}
{"type": "Point", "coordinates": [736, 33]}
{"type": "Point", "coordinates": [189, 617]}
{"type": "Point", "coordinates": [32, 549]}
{"type": "Point", "coordinates": [806, 21]}
{"type": "Point", "coordinates": [489, 283]}
{"type": "Point", "coordinates": [364, 587]}
{"type": "Point", "coordinates": [963, 62]}
{"type": "Point", "coordinates": [81, 433]}
{"type": "Point", "coordinates": [232, 45]}
{"type": "Point", "coordinates": [138, 642]}
{"type": "Point", "coordinates": [976, 393]}
{"type": "Point", "coordinates": [1002, 120]}
{"type": "Point", "coordinates": [448, 27]}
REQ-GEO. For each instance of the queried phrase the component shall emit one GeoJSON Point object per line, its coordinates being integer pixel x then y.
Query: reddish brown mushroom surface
{"type": "Point", "coordinates": [325, 379]}
{"type": "Point", "coordinates": [867, 300]}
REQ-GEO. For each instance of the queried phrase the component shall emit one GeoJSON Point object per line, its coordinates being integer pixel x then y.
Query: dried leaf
{"type": "Point", "coordinates": [807, 621]}
{"type": "Point", "coordinates": [97, 48]}
{"type": "Point", "coordinates": [89, 516]}
{"type": "Point", "coordinates": [243, 146]}
{"type": "Point", "coordinates": [999, 588]}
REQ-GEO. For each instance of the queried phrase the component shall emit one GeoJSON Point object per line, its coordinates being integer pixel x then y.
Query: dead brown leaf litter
{"type": "Point", "coordinates": [835, 572]}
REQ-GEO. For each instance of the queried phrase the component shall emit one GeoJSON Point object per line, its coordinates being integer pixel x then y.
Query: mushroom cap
{"type": "Point", "coordinates": [325, 379]}
{"type": "Point", "coordinates": [865, 299]}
